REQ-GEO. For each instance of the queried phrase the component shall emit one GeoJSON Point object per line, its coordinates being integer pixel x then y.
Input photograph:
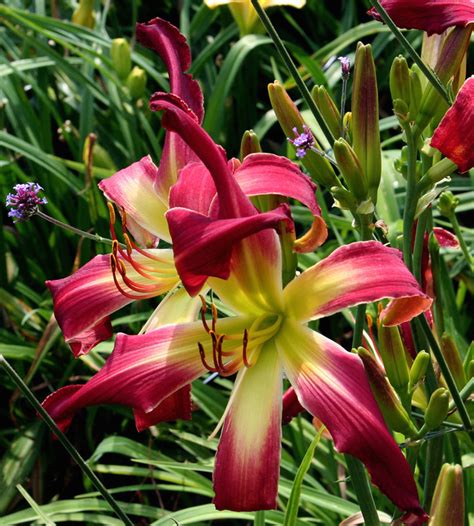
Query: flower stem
{"type": "Point", "coordinates": [411, 197]}
{"type": "Point", "coordinates": [64, 440]}
{"type": "Point", "coordinates": [457, 230]}
{"type": "Point", "coordinates": [82, 233]}
{"type": "Point", "coordinates": [428, 72]}
{"type": "Point", "coordinates": [419, 241]}
{"type": "Point", "coordinates": [293, 71]}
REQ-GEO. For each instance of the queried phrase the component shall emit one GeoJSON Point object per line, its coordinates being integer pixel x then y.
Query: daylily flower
{"type": "Point", "coordinates": [454, 137]}
{"type": "Point", "coordinates": [244, 13]}
{"type": "Point", "coordinates": [432, 16]}
{"type": "Point", "coordinates": [266, 337]}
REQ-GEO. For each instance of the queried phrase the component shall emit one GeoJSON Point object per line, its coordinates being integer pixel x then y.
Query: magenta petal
{"type": "Point", "coordinates": [291, 406]}
{"type": "Point", "coordinates": [194, 190]}
{"type": "Point", "coordinates": [432, 16]}
{"type": "Point", "coordinates": [445, 238]}
{"type": "Point", "coordinates": [203, 246]}
{"type": "Point", "coordinates": [331, 384]}
{"type": "Point", "coordinates": [454, 137]}
{"type": "Point", "coordinates": [142, 372]}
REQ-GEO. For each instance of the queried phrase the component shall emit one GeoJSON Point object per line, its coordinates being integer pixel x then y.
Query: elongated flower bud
{"type": "Point", "coordinates": [387, 400]}
{"type": "Point", "coordinates": [437, 409]}
{"type": "Point", "coordinates": [249, 144]}
{"type": "Point", "coordinates": [394, 358]}
{"type": "Point", "coordinates": [437, 173]}
{"type": "Point", "coordinates": [447, 203]}
{"type": "Point", "coordinates": [365, 118]}
{"type": "Point", "coordinates": [453, 359]}
{"type": "Point", "coordinates": [84, 14]}
{"type": "Point", "coordinates": [450, 58]}
{"type": "Point", "coordinates": [289, 118]}
{"type": "Point", "coordinates": [351, 169]}
{"type": "Point", "coordinates": [136, 82]}
{"type": "Point", "coordinates": [121, 57]}
{"type": "Point", "coordinates": [416, 90]}
{"type": "Point", "coordinates": [343, 198]}
{"type": "Point", "coordinates": [400, 80]}
{"type": "Point", "coordinates": [328, 109]}
{"type": "Point", "coordinates": [447, 508]}
{"type": "Point", "coordinates": [418, 368]}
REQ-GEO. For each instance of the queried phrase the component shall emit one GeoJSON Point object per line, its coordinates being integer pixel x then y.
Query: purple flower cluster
{"type": "Point", "coordinates": [345, 66]}
{"type": "Point", "coordinates": [25, 202]}
{"type": "Point", "coordinates": [303, 141]}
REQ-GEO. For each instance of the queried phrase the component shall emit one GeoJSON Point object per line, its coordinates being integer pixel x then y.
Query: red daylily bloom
{"type": "Point", "coordinates": [266, 337]}
{"type": "Point", "coordinates": [454, 137]}
{"type": "Point", "coordinates": [432, 16]}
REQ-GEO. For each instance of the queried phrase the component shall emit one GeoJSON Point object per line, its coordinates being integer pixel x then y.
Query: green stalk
{"type": "Point", "coordinates": [428, 72]}
{"type": "Point", "coordinates": [457, 230]}
{"type": "Point", "coordinates": [411, 197]}
{"type": "Point", "coordinates": [458, 401]}
{"type": "Point", "coordinates": [259, 518]}
{"type": "Point", "coordinates": [64, 440]}
{"type": "Point", "coordinates": [419, 241]}
{"type": "Point", "coordinates": [293, 71]}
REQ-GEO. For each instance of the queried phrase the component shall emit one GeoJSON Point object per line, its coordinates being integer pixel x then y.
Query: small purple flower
{"type": "Point", "coordinates": [25, 202]}
{"type": "Point", "coordinates": [345, 66]}
{"type": "Point", "coordinates": [303, 141]}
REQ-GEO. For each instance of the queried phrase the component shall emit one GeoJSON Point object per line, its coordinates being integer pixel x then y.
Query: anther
{"type": "Point", "coordinates": [203, 313]}
{"type": "Point", "coordinates": [245, 342]}
{"type": "Point", "coordinates": [111, 208]}
{"type": "Point", "coordinates": [202, 354]}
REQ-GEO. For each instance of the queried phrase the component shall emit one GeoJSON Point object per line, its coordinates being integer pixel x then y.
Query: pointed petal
{"type": "Point", "coordinates": [194, 190]}
{"type": "Point", "coordinates": [84, 300]}
{"type": "Point", "coordinates": [133, 190]}
{"type": "Point", "coordinates": [356, 273]}
{"type": "Point", "coordinates": [203, 246]}
{"type": "Point", "coordinates": [445, 238]}
{"type": "Point", "coordinates": [432, 16]}
{"type": "Point", "coordinates": [454, 137]}
{"type": "Point", "coordinates": [291, 406]}
{"type": "Point", "coordinates": [248, 458]}
{"type": "Point", "coordinates": [331, 384]}
{"type": "Point", "coordinates": [166, 40]}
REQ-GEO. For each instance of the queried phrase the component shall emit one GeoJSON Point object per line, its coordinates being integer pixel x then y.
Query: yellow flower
{"type": "Point", "coordinates": [244, 13]}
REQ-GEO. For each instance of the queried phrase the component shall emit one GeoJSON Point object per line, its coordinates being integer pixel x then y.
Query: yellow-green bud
{"type": "Point", "coordinates": [418, 368]}
{"type": "Point", "coordinates": [400, 80]}
{"type": "Point", "coordinates": [394, 358]}
{"type": "Point", "coordinates": [351, 169]}
{"type": "Point", "coordinates": [401, 110]}
{"type": "Point", "coordinates": [136, 82]}
{"type": "Point", "coordinates": [416, 90]}
{"type": "Point", "coordinates": [392, 409]}
{"type": "Point", "coordinates": [437, 409]}
{"type": "Point", "coordinates": [447, 508]}
{"type": "Point", "coordinates": [365, 118]}
{"type": "Point", "coordinates": [437, 173]}
{"type": "Point", "coordinates": [447, 203]}
{"type": "Point", "coordinates": [347, 125]}
{"type": "Point", "coordinates": [249, 144]}
{"type": "Point", "coordinates": [344, 199]}
{"type": "Point", "coordinates": [289, 118]}
{"type": "Point", "coordinates": [84, 14]}
{"type": "Point", "coordinates": [121, 57]}
{"type": "Point", "coordinates": [453, 359]}
{"type": "Point", "coordinates": [328, 109]}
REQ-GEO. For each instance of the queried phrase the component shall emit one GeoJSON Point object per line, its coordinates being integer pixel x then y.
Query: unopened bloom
{"type": "Point", "coordinates": [25, 202]}
{"type": "Point", "coordinates": [345, 66]}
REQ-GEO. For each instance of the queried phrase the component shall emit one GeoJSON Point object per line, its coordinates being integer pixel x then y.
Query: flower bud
{"type": "Point", "coordinates": [289, 118]}
{"type": "Point", "coordinates": [447, 203]}
{"type": "Point", "coordinates": [437, 173]}
{"type": "Point", "coordinates": [394, 358]}
{"type": "Point", "coordinates": [136, 82]}
{"type": "Point", "coordinates": [453, 359]}
{"type": "Point", "coordinates": [437, 409]}
{"type": "Point", "coordinates": [249, 144]}
{"type": "Point", "coordinates": [347, 125]}
{"type": "Point", "coordinates": [418, 368]}
{"type": "Point", "coordinates": [365, 118]}
{"type": "Point", "coordinates": [351, 169]}
{"type": "Point", "coordinates": [400, 80]}
{"type": "Point", "coordinates": [121, 57]}
{"type": "Point", "coordinates": [401, 110]}
{"type": "Point", "coordinates": [343, 198]}
{"type": "Point", "coordinates": [393, 411]}
{"type": "Point", "coordinates": [416, 90]}
{"type": "Point", "coordinates": [447, 508]}
{"type": "Point", "coordinates": [84, 14]}
{"type": "Point", "coordinates": [328, 109]}
{"type": "Point", "coordinates": [450, 58]}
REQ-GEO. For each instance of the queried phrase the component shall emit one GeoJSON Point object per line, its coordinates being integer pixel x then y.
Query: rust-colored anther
{"type": "Point", "coordinates": [245, 342]}
{"type": "Point", "coordinates": [128, 243]}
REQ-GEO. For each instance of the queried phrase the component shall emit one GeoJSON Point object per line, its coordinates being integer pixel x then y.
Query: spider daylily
{"type": "Point", "coordinates": [266, 338]}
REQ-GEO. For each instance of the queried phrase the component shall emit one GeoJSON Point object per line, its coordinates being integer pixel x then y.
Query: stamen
{"type": "Point", "coordinates": [245, 342]}
{"type": "Point", "coordinates": [203, 314]}
{"type": "Point", "coordinates": [202, 354]}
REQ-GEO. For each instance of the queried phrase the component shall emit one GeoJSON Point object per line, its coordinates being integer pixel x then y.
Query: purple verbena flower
{"type": "Point", "coordinates": [303, 141]}
{"type": "Point", "coordinates": [345, 66]}
{"type": "Point", "coordinates": [25, 202]}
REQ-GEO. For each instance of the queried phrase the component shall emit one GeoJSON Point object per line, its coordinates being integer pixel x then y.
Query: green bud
{"type": "Point", "coordinates": [394, 358]}
{"type": "Point", "coordinates": [365, 118]}
{"type": "Point", "coordinates": [450, 58]}
{"type": "Point", "coordinates": [447, 203]}
{"type": "Point", "coordinates": [249, 144]}
{"type": "Point", "coordinates": [136, 82]}
{"type": "Point", "coordinates": [392, 409]}
{"type": "Point", "coordinates": [351, 169]}
{"type": "Point", "coordinates": [437, 173]}
{"type": "Point", "coordinates": [289, 118]}
{"type": "Point", "coordinates": [121, 57]}
{"type": "Point", "coordinates": [418, 368]}
{"type": "Point", "coordinates": [344, 199]}
{"type": "Point", "coordinates": [400, 80]}
{"type": "Point", "coordinates": [347, 125]}
{"type": "Point", "coordinates": [437, 409]}
{"type": "Point", "coordinates": [416, 90]}
{"type": "Point", "coordinates": [328, 109]}
{"type": "Point", "coordinates": [401, 110]}
{"type": "Point", "coordinates": [447, 508]}
{"type": "Point", "coordinates": [453, 359]}
{"type": "Point", "coordinates": [84, 14]}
